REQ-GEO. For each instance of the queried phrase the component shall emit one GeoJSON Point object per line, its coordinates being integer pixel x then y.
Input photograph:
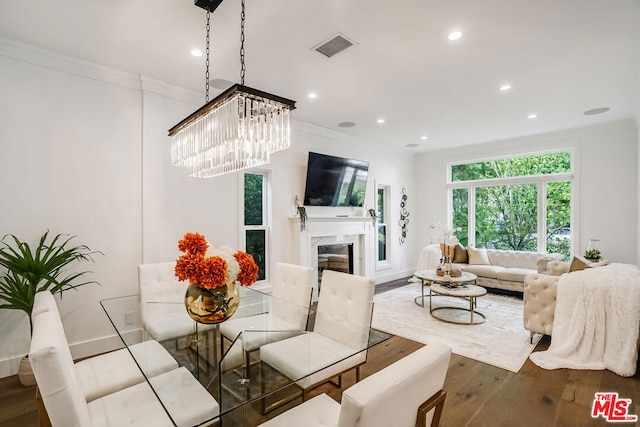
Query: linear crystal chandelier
{"type": "Point", "coordinates": [239, 129]}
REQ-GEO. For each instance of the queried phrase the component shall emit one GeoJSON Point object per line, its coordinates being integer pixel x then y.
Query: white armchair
{"type": "Point", "coordinates": [342, 323]}
{"type": "Point", "coordinates": [59, 387]}
{"type": "Point", "coordinates": [540, 298]}
{"type": "Point", "coordinates": [291, 291]}
{"type": "Point", "coordinates": [404, 394]}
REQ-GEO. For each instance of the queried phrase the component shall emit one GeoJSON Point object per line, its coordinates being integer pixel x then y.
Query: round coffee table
{"type": "Point", "coordinates": [466, 291]}
{"type": "Point", "coordinates": [429, 277]}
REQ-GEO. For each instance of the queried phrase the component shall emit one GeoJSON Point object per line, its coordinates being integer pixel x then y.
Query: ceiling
{"type": "Point", "coordinates": [561, 58]}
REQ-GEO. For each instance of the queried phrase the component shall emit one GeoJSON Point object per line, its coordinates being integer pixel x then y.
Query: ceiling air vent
{"type": "Point", "coordinates": [335, 45]}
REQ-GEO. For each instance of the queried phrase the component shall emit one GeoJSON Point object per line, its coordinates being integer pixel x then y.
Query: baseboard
{"type": "Point", "coordinates": [394, 276]}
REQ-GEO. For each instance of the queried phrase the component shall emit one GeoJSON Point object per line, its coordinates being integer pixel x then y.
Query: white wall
{"type": "Point", "coordinates": [85, 151]}
{"type": "Point", "coordinates": [605, 185]}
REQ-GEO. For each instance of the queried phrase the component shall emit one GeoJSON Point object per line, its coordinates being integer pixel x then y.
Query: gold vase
{"type": "Point", "coordinates": [211, 305]}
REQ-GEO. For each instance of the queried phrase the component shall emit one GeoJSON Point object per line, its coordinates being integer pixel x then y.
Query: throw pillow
{"type": "Point", "coordinates": [579, 263]}
{"type": "Point", "coordinates": [478, 256]}
{"type": "Point", "coordinates": [460, 255]}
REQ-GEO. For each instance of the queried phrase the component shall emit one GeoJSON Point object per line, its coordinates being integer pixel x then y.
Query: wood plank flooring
{"type": "Point", "coordinates": [477, 394]}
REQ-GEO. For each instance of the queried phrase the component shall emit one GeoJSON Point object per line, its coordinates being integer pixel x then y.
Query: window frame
{"type": "Point", "coordinates": [540, 180]}
{"type": "Point", "coordinates": [266, 218]}
{"type": "Point", "coordinates": [384, 264]}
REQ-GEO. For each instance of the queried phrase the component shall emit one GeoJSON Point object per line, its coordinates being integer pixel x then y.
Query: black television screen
{"type": "Point", "coordinates": [335, 181]}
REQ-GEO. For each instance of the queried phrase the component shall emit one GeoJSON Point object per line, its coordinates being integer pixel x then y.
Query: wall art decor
{"type": "Point", "coordinates": [404, 216]}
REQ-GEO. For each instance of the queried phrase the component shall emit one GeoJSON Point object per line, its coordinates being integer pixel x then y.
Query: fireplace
{"type": "Point", "coordinates": [356, 234]}
{"type": "Point", "coordinates": [337, 257]}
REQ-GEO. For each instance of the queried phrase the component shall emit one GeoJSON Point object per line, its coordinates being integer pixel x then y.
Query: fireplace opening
{"type": "Point", "coordinates": [337, 257]}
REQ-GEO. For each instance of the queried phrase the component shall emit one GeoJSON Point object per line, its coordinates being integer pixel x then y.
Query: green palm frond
{"type": "Point", "coordinates": [44, 267]}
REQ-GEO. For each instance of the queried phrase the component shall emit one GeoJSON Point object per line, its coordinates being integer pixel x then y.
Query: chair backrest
{"type": "Point", "coordinates": [44, 301]}
{"type": "Point", "coordinates": [158, 281]}
{"type": "Point", "coordinates": [292, 290]}
{"type": "Point", "coordinates": [345, 306]}
{"type": "Point", "coordinates": [392, 396]}
{"type": "Point", "coordinates": [55, 374]}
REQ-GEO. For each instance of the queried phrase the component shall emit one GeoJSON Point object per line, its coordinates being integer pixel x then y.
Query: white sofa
{"type": "Point", "coordinates": [507, 269]}
{"type": "Point", "coordinates": [499, 269]}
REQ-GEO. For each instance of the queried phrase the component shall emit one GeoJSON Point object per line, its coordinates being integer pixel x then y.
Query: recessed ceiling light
{"type": "Point", "coordinates": [533, 116]}
{"type": "Point", "coordinates": [593, 111]}
{"type": "Point", "coordinates": [424, 137]}
{"type": "Point", "coordinates": [312, 95]}
{"type": "Point", "coordinates": [455, 35]}
{"type": "Point", "coordinates": [380, 121]}
{"type": "Point", "coordinates": [196, 52]}
{"type": "Point", "coordinates": [346, 124]}
{"type": "Point", "coordinates": [505, 87]}
{"type": "Point", "coordinates": [412, 145]}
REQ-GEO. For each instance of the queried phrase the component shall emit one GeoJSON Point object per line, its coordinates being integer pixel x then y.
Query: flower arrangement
{"type": "Point", "coordinates": [213, 268]}
{"type": "Point", "coordinates": [446, 237]}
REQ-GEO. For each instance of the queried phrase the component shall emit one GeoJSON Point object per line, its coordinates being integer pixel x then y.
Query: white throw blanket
{"type": "Point", "coordinates": [596, 321]}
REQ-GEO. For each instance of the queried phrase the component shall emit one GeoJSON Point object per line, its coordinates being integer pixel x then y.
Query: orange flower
{"type": "Point", "coordinates": [213, 272]}
{"type": "Point", "coordinates": [248, 268]}
{"type": "Point", "coordinates": [188, 267]}
{"type": "Point", "coordinates": [194, 244]}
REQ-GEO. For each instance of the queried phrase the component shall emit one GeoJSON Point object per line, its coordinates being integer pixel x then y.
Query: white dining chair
{"type": "Point", "coordinates": [291, 298]}
{"type": "Point", "coordinates": [407, 393]}
{"type": "Point", "coordinates": [339, 338]}
{"type": "Point", "coordinates": [109, 372]}
{"type": "Point", "coordinates": [62, 396]}
{"type": "Point", "coordinates": [162, 303]}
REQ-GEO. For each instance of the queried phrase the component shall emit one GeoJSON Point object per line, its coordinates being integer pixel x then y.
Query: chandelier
{"type": "Point", "coordinates": [238, 129]}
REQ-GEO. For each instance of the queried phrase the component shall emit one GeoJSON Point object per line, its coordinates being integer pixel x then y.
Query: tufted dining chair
{"type": "Point", "coordinates": [63, 396]}
{"type": "Point", "coordinates": [407, 393]}
{"type": "Point", "coordinates": [166, 319]}
{"type": "Point", "coordinates": [291, 290]}
{"type": "Point", "coordinates": [342, 322]}
{"type": "Point", "coordinates": [109, 372]}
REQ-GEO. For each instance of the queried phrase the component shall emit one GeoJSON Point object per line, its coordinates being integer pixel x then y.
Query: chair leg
{"type": "Point", "coordinates": [436, 401]}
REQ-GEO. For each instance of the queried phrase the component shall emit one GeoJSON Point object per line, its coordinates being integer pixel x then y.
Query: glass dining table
{"type": "Point", "coordinates": [231, 372]}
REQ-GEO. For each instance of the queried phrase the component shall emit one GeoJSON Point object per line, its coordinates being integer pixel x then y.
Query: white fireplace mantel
{"type": "Point", "coordinates": [356, 230]}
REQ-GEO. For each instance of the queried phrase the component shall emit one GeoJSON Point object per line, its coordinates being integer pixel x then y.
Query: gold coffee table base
{"type": "Point", "coordinates": [467, 292]}
{"type": "Point", "coordinates": [475, 317]}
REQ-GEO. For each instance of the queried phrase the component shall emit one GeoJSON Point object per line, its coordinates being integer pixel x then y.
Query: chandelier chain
{"type": "Point", "coordinates": [206, 74]}
{"type": "Point", "coordinates": [242, 66]}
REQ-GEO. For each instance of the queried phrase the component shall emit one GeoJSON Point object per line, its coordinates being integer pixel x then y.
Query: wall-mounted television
{"type": "Point", "coordinates": [335, 181]}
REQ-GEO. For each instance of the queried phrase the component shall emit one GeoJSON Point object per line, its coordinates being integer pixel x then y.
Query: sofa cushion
{"type": "Point", "coordinates": [514, 274]}
{"type": "Point", "coordinates": [478, 256]}
{"type": "Point", "coordinates": [460, 254]}
{"type": "Point", "coordinates": [488, 271]}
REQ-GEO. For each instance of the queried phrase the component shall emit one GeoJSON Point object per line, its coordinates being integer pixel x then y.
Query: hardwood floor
{"type": "Point", "coordinates": [477, 394]}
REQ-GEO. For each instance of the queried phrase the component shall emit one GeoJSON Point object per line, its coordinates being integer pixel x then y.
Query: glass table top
{"type": "Point", "coordinates": [229, 369]}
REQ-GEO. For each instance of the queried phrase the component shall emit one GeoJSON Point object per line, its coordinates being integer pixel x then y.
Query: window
{"type": "Point", "coordinates": [382, 197]}
{"type": "Point", "coordinates": [255, 219]}
{"type": "Point", "coordinates": [520, 203]}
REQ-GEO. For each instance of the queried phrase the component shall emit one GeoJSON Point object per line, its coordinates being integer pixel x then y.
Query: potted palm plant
{"type": "Point", "coordinates": [32, 270]}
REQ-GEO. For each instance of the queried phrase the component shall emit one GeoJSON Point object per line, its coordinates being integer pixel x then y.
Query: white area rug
{"type": "Point", "coordinates": [501, 341]}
